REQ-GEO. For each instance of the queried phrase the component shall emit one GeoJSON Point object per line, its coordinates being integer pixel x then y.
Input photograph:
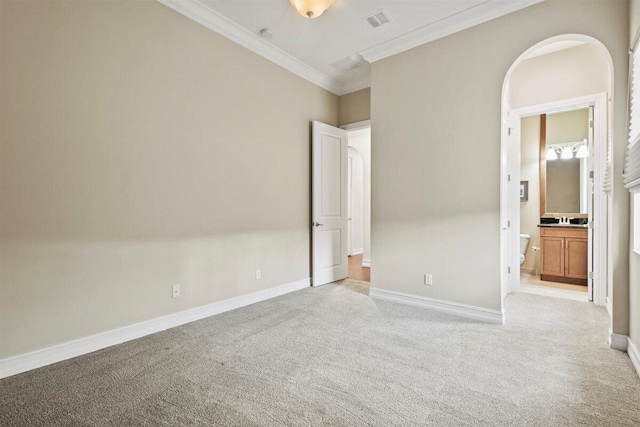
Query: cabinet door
{"type": "Point", "coordinates": [576, 258]}
{"type": "Point", "coordinates": [552, 256]}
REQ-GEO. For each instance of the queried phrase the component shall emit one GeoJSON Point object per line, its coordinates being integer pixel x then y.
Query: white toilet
{"type": "Point", "coordinates": [524, 244]}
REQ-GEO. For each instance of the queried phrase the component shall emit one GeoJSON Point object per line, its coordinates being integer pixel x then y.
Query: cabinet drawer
{"type": "Point", "coordinates": [580, 233]}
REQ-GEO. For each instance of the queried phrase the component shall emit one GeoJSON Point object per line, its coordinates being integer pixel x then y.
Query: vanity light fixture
{"type": "Point", "coordinates": [567, 153]}
{"type": "Point", "coordinates": [583, 152]}
{"type": "Point", "coordinates": [311, 8]}
{"type": "Point", "coordinates": [568, 150]}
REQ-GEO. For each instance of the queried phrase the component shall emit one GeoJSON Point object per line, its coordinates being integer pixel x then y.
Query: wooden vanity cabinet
{"type": "Point", "coordinates": [564, 255]}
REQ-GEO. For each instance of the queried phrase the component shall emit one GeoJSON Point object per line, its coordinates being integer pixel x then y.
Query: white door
{"type": "Point", "coordinates": [329, 227]}
{"type": "Point", "coordinates": [350, 206]}
{"type": "Point", "coordinates": [590, 210]}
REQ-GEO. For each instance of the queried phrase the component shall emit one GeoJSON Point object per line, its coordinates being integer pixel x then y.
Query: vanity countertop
{"type": "Point", "coordinates": [564, 225]}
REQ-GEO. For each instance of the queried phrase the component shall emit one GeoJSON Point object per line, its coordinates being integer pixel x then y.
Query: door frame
{"type": "Point", "coordinates": [349, 202]}
{"type": "Point", "coordinates": [508, 219]}
{"type": "Point", "coordinates": [354, 157]}
{"type": "Point", "coordinates": [600, 212]}
{"type": "Point", "coordinates": [365, 124]}
{"type": "Point", "coordinates": [356, 126]}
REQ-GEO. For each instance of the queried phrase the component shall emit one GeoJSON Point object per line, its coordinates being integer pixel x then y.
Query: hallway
{"type": "Point", "coordinates": [357, 271]}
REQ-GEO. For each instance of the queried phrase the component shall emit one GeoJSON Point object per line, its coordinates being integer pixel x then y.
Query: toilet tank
{"type": "Point", "coordinates": [524, 243]}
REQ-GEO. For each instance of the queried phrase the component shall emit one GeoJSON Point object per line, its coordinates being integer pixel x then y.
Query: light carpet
{"type": "Point", "coordinates": [332, 356]}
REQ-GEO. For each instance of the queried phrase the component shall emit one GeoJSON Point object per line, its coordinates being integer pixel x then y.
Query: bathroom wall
{"type": "Point", "coordinates": [562, 127]}
{"type": "Point", "coordinates": [530, 171]}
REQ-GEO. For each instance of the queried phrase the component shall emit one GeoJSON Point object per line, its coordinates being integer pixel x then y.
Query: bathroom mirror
{"type": "Point", "coordinates": [564, 156]}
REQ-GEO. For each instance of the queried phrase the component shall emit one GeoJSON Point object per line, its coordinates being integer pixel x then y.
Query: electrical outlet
{"type": "Point", "coordinates": [428, 279]}
{"type": "Point", "coordinates": [176, 291]}
{"type": "Point", "coordinates": [258, 274]}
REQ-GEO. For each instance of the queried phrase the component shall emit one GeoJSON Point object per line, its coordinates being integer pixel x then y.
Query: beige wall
{"type": "Point", "coordinates": [634, 257]}
{"type": "Point", "coordinates": [634, 20]}
{"type": "Point", "coordinates": [355, 107]}
{"type": "Point", "coordinates": [566, 74]}
{"type": "Point", "coordinates": [141, 150]}
{"type": "Point", "coordinates": [530, 171]}
{"type": "Point", "coordinates": [436, 151]}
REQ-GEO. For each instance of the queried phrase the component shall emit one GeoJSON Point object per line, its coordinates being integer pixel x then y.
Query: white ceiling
{"type": "Point", "coordinates": [308, 46]}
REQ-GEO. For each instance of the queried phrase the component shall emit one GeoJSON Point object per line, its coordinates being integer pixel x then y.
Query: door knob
{"type": "Point", "coordinates": [317, 224]}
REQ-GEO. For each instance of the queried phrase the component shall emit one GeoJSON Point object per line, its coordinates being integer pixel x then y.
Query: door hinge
{"type": "Point", "coordinates": [590, 224]}
{"type": "Point", "coordinates": [590, 124]}
{"type": "Point", "coordinates": [508, 178]}
{"type": "Point", "coordinates": [510, 129]}
{"type": "Point", "coordinates": [591, 275]}
{"type": "Point", "coordinates": [591, 174]}
{"type": "Point", "coordinates": [509, 270]}
{"type": "Point", "coordinates": [509, 223]}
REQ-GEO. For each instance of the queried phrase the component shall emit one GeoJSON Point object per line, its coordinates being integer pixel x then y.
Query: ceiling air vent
{"type": "Point", "coordinates": [346, 64]}
{"type": "Point", "coordinates": [378, 19]}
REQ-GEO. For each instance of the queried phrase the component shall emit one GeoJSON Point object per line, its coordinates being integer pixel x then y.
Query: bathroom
{"type": "Point", "coordinates": [555, 192]}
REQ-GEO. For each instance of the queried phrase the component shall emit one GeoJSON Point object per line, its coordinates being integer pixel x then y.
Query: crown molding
{"type": "Point", "coordinates": [471, 17]}
{"type": "Point", "coordinates": [222, 25]}
{"type": "Point", "coordinates": [354, 85]}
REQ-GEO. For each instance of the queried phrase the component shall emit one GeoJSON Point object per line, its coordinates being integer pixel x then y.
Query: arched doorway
{"type": "Point", "coordinates": [568, 89]}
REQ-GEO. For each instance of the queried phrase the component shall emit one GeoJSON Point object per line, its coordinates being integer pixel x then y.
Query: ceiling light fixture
{"type": "Point", "coordinates": [311, 8]}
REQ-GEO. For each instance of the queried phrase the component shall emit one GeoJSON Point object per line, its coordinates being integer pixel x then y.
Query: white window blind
{"type": "Point", "coordinates": [631, 173]}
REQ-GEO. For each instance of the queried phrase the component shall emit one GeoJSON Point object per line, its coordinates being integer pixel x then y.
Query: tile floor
{"type": "Point", "coordinates": [533, 285]}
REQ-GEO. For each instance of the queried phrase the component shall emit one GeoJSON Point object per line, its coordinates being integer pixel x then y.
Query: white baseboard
{"type": "Point", "coordinates": [462, 310]}
{"type": "Point", "coordinates": [357, 252]}
{"type": "Point", "coordinates": [366, 263]}
{"type": "Point", "coordinates": [634, 355]}
{"type": "Point", "coordinates": [39, 358]}
{"type": "Point", "coordinates": [618, 341]}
